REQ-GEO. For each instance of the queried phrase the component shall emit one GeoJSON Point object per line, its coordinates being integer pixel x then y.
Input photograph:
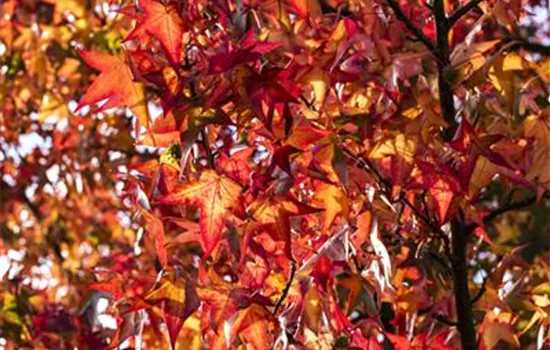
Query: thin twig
{"type": "Point", "coordinates": [425, 204]}
{"type": "Point", "coordinates": [480, 292]}
{"type": "Point", "coordinates": [438, 317]}
{"type": "Point", "coordinates": [462, 11]}
{"type": "Point", "coordinates": [506, 208]}
{"type": "Point", "coordinates": [426, 220]}
{"type": "Point", "coordinates": [512, 206]}
{"type": "Point", "coordinates": [366, 164]}
{"type": "Point", "coordinates": [401, 16]}
{"type": "Point", "coordinates": [531, 47]}
{"type": "Point", "coordinates": [32, 207]}
{"type": "Point", "coordinates": [205, 143]}
{"type": "Point", "coordinates": [287, 287]}
{"type": "Point", "coordinates": [444, 320]}
{"type": "Point", "coordinates": [509, 207]}
{"type": "Point", "coordinates": [386, 186]}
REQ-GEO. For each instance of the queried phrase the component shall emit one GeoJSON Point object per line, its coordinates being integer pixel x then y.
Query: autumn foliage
{"type": "Point", "coordinates": [274, 174]}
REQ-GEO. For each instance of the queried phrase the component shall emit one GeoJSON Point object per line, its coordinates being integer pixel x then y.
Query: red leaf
{"type": "Point", "coordinates": [165, 24]}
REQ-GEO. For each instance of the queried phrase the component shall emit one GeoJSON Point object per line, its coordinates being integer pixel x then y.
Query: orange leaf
{"type": "Point", "coordinates": [155, 232]}
{"type": "Point", "coordinates": [364, 222]}
{"type": "Point", "coordinates": [252, 325]}
{"type": "Point", "coordinates": [307, 8]}
{"type": "Point", "coordinates": [179, 299]}
{"type": "Point", "coordinates": [275, 211]}
{"type": "Point", "coordinates": [334, 201]}
{"type": "Point", "coordinates": [215, 196]}
{"type": "Point", "coordinates": [164, 23]}
{"type": "Point", "coordinates": [115, 84]}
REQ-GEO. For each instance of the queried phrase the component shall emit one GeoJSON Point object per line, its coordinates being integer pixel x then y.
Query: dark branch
{"type": "Point", "coordinates": [421, 216]}
{"type": "Point", "coordinates": [462, 11]}
{"type": "Point", "coordinates": [509, 207]}
{"type": "Point", "coordinates": [446, 99]}
{"type": "Point", "coordinates": [531, 47]}
{"type": "Point", "coordinates": [410, 25]}
{"type": "Point", "coordinates": [506, 208]}
{"type": "Point", "coordinates": [32, 207]}
{"type": "Point", "coordinates": [385, 188]}
{"type": "Point", "coordinates": [287, 288]}
{"type": "Point", "coordinates": [465, 316]}
{"type": "Point", "coordinates": [444, 320]}
{"type": "Point", "coordinates": [513, 206]}
{"type": "Point", "coordinates": [459, 233]}
{"type": "Point", "coordinates": [206, 145]}
{"type": "Point", "coordinates": [365, 163]}
{"type": "Point", "coordinates": [480, 292]}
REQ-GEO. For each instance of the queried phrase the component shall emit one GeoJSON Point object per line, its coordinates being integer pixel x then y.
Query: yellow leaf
{"type": "Point", "coordinates": [251, 324]}
{"type": "Point", "coordinates": [334, 201]}
{"type": "Point", "coordinates": [191, 335]}
{"type": "Point", "coordinates": [312, 308]}
{"type": "Point", "coordinates": [319, 81]}
{"type": "Point", "coordinates": [179, 300]}
{"type": "Point", "coordinates": [52, 107]}
{"type": "Point", "coordinates": [402, 145]}
{"type": "Point", "coordinates": [543, 69]}
{"type": "Point", "coordinates": [538, 127]}
{"type": "Point", "coordinates": [513, 61]}
{"type": "Point", "coordinates": [483, 173]}
{"type": "Point", "coordinates": [468, 58]}
{"type": "Point", "coordinates": [116, 83]}
{"type": "Point", "coordinates": [339, 32]}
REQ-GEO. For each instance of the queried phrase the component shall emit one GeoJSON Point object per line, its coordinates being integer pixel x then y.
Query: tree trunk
{"type": "Point", "coordinates": [460, 284]}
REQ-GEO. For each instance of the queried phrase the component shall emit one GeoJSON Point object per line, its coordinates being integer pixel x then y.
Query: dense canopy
{"type": "Point", "coordinates": [275, 174]}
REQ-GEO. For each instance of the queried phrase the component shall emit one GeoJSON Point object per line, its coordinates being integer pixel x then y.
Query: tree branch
{"type": "Point", "coordinates": [462, 11]}
{"type": "Point", "coordinates": [32, 207]}
{"type": "Point", "coordinates": [401, 16]}
{"type": "Point", "coordinates": [460, 284]}
{"type": "Point", "coordinates": [506, 208]}
{"type": "Point", "coordinates": [509, 207]}
{"type": "Point", "coordinates": [385, 188]}
{"type": "Point", "coordinates": [531, 47]}
{"type": "Point", "coordinates": [426, 220]}
{"type": "Point", "coordinates": [446, 99]}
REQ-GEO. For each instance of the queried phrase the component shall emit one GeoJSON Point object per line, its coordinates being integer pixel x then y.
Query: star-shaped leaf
{"type": "Point", "coordinates": [179, 300]}
{"type": "Point", "coordinates": [215, 196]}
{"type": "Point", "coordinates": [333, 199]}
{"type": "Point", "coordinates": [115, 84]}
{"type": "Point", "coordinates": [165, 24]}
{"type": "Point", "coordinates": [275, 213]}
